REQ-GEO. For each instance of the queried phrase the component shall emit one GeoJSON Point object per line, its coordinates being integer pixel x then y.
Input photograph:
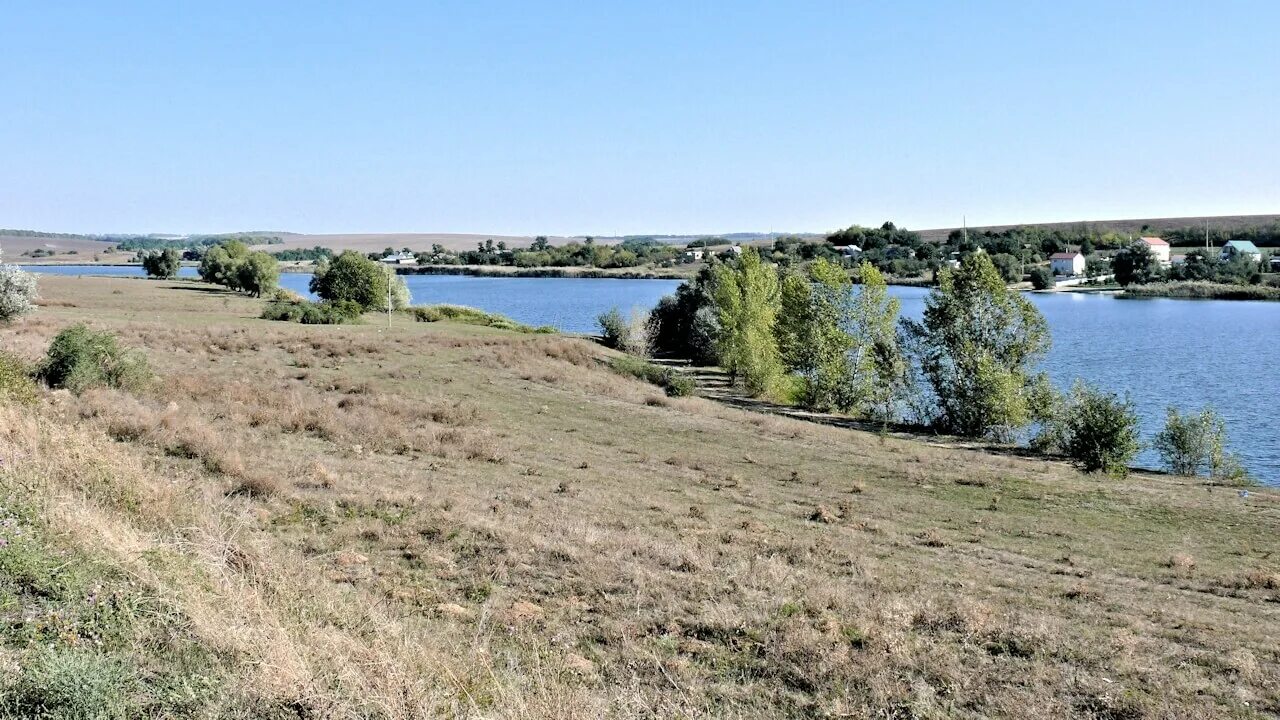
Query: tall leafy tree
{"type": "Point", "coordinates": [1136, 265]}
{"type": "Point", "coordinates": [975, 347]}
{"type": "Point", "coordinates": [746, 298]}
{"type": "Point", "coordinates": [879, 368]}
{"type": "Point", "coordinates": [816, 311]}
{"type": "Point", "coordinates": [162, 263]}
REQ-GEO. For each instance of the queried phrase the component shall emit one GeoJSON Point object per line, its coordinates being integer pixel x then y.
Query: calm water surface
{"type": "Point", "coordinates": [1160, 352]}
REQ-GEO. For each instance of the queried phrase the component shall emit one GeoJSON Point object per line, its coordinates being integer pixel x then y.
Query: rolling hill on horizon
{"type": "Point", "coordinates": [15, 243]}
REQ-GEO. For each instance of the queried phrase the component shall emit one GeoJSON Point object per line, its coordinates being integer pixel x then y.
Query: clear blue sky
{"type": "Point", "coordinates": [615, 117]}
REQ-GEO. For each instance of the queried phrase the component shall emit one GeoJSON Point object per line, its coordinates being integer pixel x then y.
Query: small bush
{"type": "Point", "coordinates": [79, 359]}
{"type": "Point", "coordinates": [16, 385]}
{"type": "Point", "coordinates": [1041, 278]}
{"type": "Point", "coordinates": [72, 684]}
{"type": "Point", "coordinates": [674, 383]}
{"type": "Point", "coordinates": [341, 312]}
{"type": "Point", "coordinates": [628, 334]}
{"type": "Point", "coordinates": [17, 292]}
{"type": "Point", "coordinates": [1196, 444]}
{"type": "Point", "coordinates": [1101, 431]}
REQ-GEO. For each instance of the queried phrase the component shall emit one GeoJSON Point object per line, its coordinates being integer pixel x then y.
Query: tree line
{"type": "Point", "coordinates": [816, 338]}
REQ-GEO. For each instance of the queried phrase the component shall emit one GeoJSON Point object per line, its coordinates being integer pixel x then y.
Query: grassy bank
{"type": "Point", "coordinates": [1202, 290]}
{"type": "Point", "coordinates": [447, 519]}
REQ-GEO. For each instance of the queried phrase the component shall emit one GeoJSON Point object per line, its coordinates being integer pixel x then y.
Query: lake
{"type": "Point", "coordinates": [1158, 351]}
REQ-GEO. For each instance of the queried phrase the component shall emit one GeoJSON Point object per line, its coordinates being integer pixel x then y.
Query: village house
{"type": "Point", "coordinates": [1067, 263]}
{"type": "Point", "coordinates": [1245, 248]}
{"type": "Point", "coordinates": [850, 251]}
{"type": "Point", "coordinates": [735, 249]}
{"type": "Point", "coordinates": [401, 258]}
{"type": "Point", "coordinates": [1159, 248]}
{"type": "Point", "coordinates": [692, 255]}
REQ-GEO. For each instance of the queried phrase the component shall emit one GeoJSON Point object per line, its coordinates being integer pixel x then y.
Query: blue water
{"type": "Point", "coordinates": [1160, 352]}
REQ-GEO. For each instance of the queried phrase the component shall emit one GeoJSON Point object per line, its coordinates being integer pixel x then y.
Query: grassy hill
{"type": "Point", "coordinates": [450, 520]}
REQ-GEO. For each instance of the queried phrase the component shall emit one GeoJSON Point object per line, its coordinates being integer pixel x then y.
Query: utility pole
{"type": "Point", "coordinates": [391, 277]}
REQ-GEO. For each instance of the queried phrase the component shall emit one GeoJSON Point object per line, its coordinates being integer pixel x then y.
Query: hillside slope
{"type": "Point", "coordinates": [446, 520]}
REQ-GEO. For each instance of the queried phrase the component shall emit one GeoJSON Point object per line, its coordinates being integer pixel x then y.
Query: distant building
{"type": "Point", "coordinates": [1067, 263]}
{"type": "Point", "coordinates": [692, 255]}
{"type": "Point", "coordinates": [1159, 248]}
{"type": "Point", "coordinates": [401, 258]}
{"type": "Point", "coordinates": [1234, 248]}
{"type": "Point", "coordinates": [735, 249]}
{"type": "Point", "coordinates": [850, 251]}
{"type": "Point", "coordinates": [1275, 263]}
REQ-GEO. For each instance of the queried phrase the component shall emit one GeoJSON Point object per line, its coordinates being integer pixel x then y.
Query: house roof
{"type": "Point", "coordinates": [1065, 256]}
{"type": "Point", "coordinates": [1154, 241]}
{"type": "Point", "coordinates": [1244, 246]}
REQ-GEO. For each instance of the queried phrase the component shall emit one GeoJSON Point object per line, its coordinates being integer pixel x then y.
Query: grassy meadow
{"type": "Point", "coordinates": [444, 519]}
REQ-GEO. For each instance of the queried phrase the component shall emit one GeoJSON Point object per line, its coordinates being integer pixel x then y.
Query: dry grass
{"type": "Point", "coordinates": [447, 520]}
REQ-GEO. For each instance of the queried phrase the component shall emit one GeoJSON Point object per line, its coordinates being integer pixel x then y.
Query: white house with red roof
{"type": "Point", "coordinates": [1159, 248]}
{"type": "Point", "coordinates": [1067, 263]}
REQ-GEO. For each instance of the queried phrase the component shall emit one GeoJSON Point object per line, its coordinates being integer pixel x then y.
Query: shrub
{"type": "Point", "coordinates": [16, 385]}
{"type": "Point", "coordinates": [1041, 278]}
{"type": "Point", "coordinates": [628, 334]}
{"type": "Point", "coordinates": [162, 263]}
{"type": "Point", "coordinates": [674, 383]}
{"type": "Point", "coordinates": [310, 313]}
{"type": "Point", "coordinates": [1101, 431]}
{"type": "Point", "coordinates": [17, 293]}
{"type": "Point", "coordinates": [79, 359]}
{"type": "Point", "coordinates": [1196, 444]}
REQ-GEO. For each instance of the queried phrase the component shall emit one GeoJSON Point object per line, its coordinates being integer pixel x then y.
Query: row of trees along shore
{"type": "Point", "coordinates": [806, 336]}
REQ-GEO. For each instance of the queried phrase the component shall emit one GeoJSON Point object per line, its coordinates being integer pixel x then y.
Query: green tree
{"type": "Point", "coordinates": [746, 302]}
{"type": "Point", "coordinates": [355, 278]}
{"type": "Point", "coordinates": [813, 336]}
{"type": "Point", "coordinates": [221, 264]}
{"type": "Point", "coordinates": [879, 370]}
{"type": "Point", "coordinates": [1135, 265]}
{"type": "Point", "coordinates": [975, 347]}
{"type": "Point", "coordinates": [1009, 266]}
{"type": "Point", "coordinates": [792, 328]}
{"type": "Point", "coordinates": [162, 263]}
{"type": "Point", "coordinates": [257, 274]}
{"type": "Point", "coordinates": [1041, 278]}
{"type": "Point", "coordinates": [1101, 431]}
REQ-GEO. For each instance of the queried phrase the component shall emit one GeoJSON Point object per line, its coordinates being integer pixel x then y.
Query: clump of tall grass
{"type": "Point", "coordinates": [472, 316]}
{"type": "Point", "coordinates": [79, 359]}
{"type": "Point", "coordinates": [1202, 290]}
{"type": "Point", "coordinates": [16, 385]}
{"type": "Point", "coordinates": [674, 383]}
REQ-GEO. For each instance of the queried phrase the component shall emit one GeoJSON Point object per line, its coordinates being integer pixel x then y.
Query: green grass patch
{"type": "Point", "coordinates": [674, 383]}
{"type": "Point", "coordinates": [472, 316]}
{"type": "Point", "coordinates": [87, 640]}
